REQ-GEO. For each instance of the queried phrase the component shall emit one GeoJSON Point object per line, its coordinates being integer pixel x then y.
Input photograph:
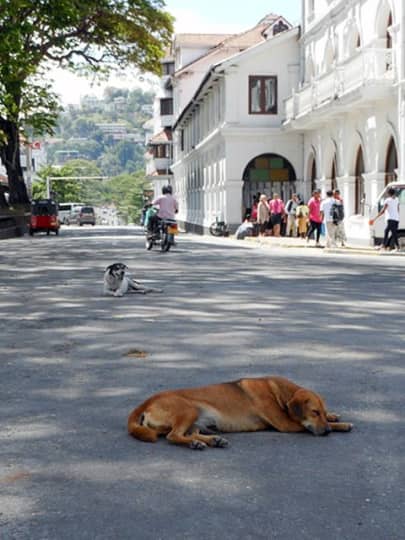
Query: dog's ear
{"type": "Point", "coordinates": [109, 268]}
{"type": "Point", "coordinates": [295, 408]}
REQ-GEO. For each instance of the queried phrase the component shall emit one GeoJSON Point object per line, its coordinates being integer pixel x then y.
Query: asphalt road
{"type": "Point", "coordinates": [75, 363]}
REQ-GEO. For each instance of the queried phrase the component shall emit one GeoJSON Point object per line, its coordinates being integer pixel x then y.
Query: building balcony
{"type": "Point", "coordinates": [367, 77]}
{"type": "Point", "coordinates": [166, 120]}
{"type": "Point", "coordinates": [158, 166]}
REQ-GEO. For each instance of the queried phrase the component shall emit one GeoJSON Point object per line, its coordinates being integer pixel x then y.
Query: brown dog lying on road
{"type": "Point", "coordinates": [192, 416]}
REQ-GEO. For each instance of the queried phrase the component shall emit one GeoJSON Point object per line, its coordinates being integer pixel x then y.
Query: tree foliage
{"type": "Point", "coordinates": [124, 191]}
{"type": "Point", "coordinates": [88, 36]}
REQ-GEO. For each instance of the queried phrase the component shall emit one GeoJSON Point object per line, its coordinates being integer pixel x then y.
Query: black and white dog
{"type": "Point", "coordinates": [117, 283]}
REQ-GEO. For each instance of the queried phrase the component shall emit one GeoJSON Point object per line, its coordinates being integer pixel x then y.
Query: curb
{"type": "Point", "coordinates": [348, 249]}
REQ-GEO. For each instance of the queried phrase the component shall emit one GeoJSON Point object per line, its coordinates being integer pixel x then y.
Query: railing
{"type": "Point", "coordinates": [369, 67]}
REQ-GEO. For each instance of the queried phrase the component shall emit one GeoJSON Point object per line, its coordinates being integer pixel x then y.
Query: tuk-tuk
{"type": "Point", "coordinates": [44, 216]}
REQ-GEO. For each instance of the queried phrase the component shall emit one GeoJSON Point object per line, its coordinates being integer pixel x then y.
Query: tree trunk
{"type": "Point", "coordinates": [10, 156]}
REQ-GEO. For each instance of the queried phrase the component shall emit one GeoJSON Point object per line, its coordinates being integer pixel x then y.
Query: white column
{"type": "Point", "coordinates": [401, 93]}
{"type": "Point", "coordinates": [322, 184]}
{"type": "Point", "coordinates": [233, 202]}
{"type": "Point", "coordinates": [346, 185]}
{"type": "Point", "coordinates": [374, 183]}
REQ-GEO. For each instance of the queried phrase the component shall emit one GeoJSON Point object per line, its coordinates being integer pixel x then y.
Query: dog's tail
{"type": "Point", "coordinates": [135, 427]}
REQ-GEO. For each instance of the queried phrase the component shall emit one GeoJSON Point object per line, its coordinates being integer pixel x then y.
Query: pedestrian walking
{"type": "Point", "coordinates": [263, 215]}
{"type": "Point", "coordinates": [327, 218]}
{"type": "Point", "coordinates": [391, 211]}
{"type": "Point", "coordinates": [338, 214]}
{"type": "Point", "coordinates": [315, 218]}
{"type": "Point", "coordinates": [277, 212]}
{"type": "Point", "coordinates": [302, 213]}
{"type": "Point", "coordinates": [291, 211]}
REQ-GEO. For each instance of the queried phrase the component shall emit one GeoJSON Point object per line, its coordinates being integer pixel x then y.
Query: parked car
{"type": "Point", "coordinates": [66, 210]}
{"type": "Point", "coordinates": [87, 216]}
{"type": "Point", "coordinates": [44, 217]}
{"type": "Point", "coordinates": [73, 218]}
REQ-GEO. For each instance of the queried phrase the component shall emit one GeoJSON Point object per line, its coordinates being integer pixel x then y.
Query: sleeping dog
{"type": "Point", "coordinates": [117, 283]}
{"type": "Point", "coordinates": [194, 416]}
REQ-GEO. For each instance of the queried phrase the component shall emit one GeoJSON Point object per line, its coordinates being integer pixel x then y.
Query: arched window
{"type": "Point", "coordinates": [391, 162]}
{"type": "Point", "coordinates": [333, 183]}
{"type": "Point", "coordinates": [268, 173]}
{"type": "Point", "coordinates": [359, 182]}
{"type": "Point", "coordinates": [313, 174]}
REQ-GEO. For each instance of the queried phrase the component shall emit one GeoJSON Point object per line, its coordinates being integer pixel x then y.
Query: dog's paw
{"type": "Point", "coordinates": [197, 445]}
{"type": "Point", "coordinates": [220, 442]}
{"type": "Point", "coordinates": [333, 417]}
{"type": "Point", "coordinates": [349, 427]}
{"type": "Point", "coordinates": [118, 294]}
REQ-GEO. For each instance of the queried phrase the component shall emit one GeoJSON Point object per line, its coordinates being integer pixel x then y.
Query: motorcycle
{"type": "Point", "coordinates": [162, 234]}
{"type": "Point", "coordinates": [219, 228]}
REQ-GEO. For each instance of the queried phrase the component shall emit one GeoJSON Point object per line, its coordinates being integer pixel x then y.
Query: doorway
{"type": "Point", "coordinates": [268, 173]}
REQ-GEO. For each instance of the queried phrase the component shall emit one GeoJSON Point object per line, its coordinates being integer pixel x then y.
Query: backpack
{"type": "Point", "coordinates": [337, 213]}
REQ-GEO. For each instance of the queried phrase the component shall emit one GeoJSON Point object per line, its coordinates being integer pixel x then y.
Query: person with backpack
{"type": "Point", "coordinates": [338, 215]}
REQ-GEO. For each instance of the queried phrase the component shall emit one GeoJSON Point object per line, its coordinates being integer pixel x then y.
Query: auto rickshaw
{"type": "Point", "coordinates": [44, 217]}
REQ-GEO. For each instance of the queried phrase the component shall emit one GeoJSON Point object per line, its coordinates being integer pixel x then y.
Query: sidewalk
{"type": "Point", "coordinates": [353, 246]}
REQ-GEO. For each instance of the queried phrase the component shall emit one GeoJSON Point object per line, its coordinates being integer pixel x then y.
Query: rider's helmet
{"type": "Point", "coordinates": [167, 189]}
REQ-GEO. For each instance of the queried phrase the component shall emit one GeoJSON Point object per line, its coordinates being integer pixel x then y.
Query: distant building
{"type": "Point", "coordinates": [62, 156]}
{"type": "Point", "coordinates": [284, 109]}
{"type": "Point", "coordinates": [222, 102]}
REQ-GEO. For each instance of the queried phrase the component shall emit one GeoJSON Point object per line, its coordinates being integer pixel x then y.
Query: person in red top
{"type": "Point", "coordinates": [315, 217]}
{"type": "Point", "coordinates": [277, 212]}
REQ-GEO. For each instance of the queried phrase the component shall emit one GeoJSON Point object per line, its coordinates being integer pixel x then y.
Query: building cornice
{"type": "Point", "coordinates": [327, 20]}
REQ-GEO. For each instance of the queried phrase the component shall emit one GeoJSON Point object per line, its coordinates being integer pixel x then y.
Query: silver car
{"type": "Point", "coordinates": [87, 216]}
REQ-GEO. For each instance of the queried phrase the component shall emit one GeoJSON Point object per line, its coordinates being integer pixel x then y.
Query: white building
{"type": "Point", "coordinates": [350, 104]}
{"type": "Point", "coordinates": [229, 141]}
{"type": "Point", "coordinates": [286, 109]}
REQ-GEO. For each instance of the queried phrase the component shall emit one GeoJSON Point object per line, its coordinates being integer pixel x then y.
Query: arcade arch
{"type": "Point", "coordinates": [268, 173]}
{"type": "Point", "coordinates": [312, 172]}
{"type": "Point", "coordinates": [359, 181]}
{"type": "Point", "coordinates": [391, 162]}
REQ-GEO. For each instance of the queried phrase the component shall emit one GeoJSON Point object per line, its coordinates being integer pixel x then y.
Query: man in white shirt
{"type": "Point", "coordinates": [290, 208]}
{"type": "Point", "coordinates": [327, 218]}
{"type": "Point", "coordinates": [391, 211]}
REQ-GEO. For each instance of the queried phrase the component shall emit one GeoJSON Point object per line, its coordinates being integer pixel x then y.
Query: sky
{"type": "Point", "coordinates": [205, 16]}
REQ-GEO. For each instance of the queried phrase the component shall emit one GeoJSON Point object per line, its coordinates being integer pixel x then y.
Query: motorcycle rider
{"type": "Point", "coordinates": [167, 205]}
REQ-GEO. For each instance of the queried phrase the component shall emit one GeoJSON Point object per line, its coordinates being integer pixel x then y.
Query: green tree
{"type": "Point", "coordinates": [68, 190]}
{"type": "Point", "coordinates": [126, 192]}
{"type": "Point", "coordinates": [95, 36]}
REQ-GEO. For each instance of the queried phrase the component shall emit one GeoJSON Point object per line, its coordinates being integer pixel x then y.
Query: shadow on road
{"type": "Point", "coordinates": [68, 468]}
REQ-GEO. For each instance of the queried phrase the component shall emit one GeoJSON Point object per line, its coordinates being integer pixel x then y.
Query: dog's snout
{"type": "Point", "coordinates": [328, 429]}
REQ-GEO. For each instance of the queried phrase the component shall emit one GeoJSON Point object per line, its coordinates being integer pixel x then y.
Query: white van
{"type": "Point", "coordinates": [377, 230]}
{"type": "Point", "coordinates": [66, 209]}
